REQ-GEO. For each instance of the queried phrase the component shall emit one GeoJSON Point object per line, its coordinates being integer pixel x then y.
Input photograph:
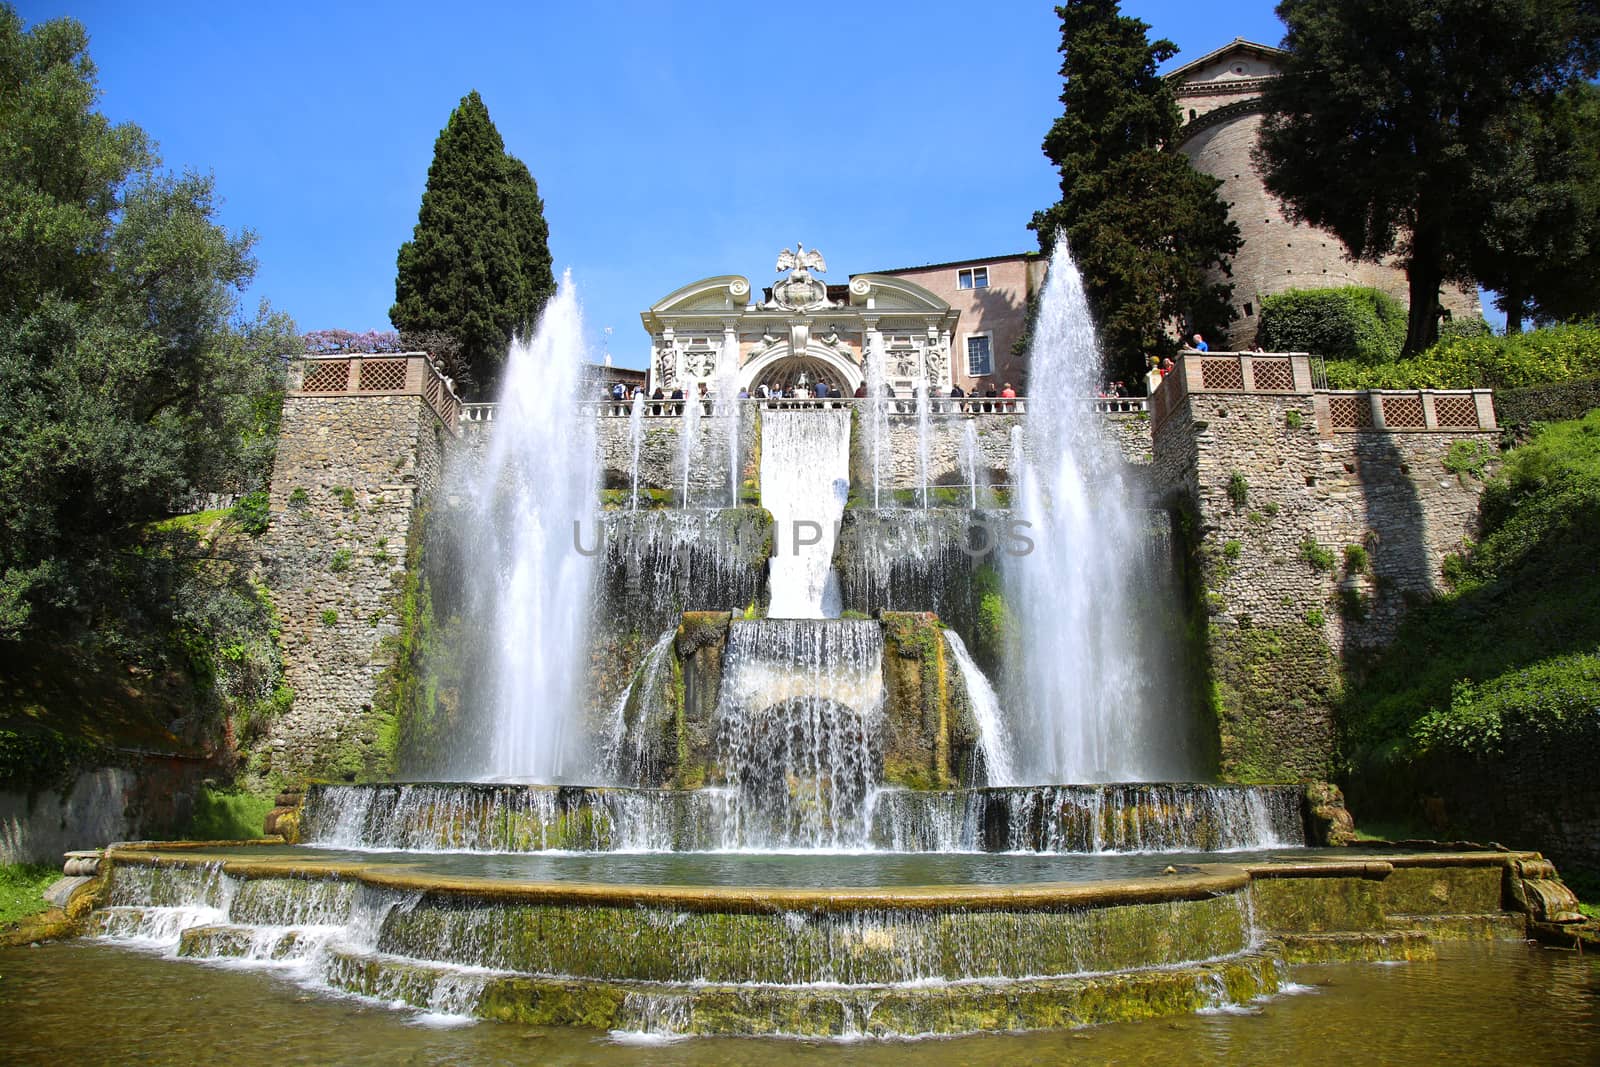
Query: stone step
{"type": "Point", "coordinates": [1356, 947]}
{"type": "Point", "coordinates": [809, 1010]}
{"type": "Point", "coordinates": [1499, 926]}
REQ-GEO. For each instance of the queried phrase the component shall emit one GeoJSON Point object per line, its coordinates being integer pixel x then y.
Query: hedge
{"type": "Point", "coordinates": [1541, 357]}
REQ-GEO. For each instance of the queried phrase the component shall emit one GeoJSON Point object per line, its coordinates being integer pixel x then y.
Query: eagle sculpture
{"type": "Point", "coordinates": [802, 261]}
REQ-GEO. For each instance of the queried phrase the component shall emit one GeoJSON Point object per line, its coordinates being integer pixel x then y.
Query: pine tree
{"type": "Point", "coordinates": [1145, 227]}
{"type": "Point", "coordinates": [477, 267]}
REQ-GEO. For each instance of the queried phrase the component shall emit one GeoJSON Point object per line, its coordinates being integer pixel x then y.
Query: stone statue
{"type": "Point", "coordinates": [801, 262]}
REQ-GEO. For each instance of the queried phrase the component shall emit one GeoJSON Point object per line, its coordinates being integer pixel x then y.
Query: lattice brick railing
{"type": "Point", "coordinates": [388, 374]}
{"type": "Point", "coordinates": [1410, 410]}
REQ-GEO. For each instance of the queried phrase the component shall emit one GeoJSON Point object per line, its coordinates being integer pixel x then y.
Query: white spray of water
{"type": "Point", "coordinates": [536, 492]}
{"type": "Point", "coordinates": [636, 435]}
{"type": "Point", "coordinates": [1085, 697]}
{"type": "Point", "coordinates": [805, 480]}
{"type": "Point", "coordinates": [689, 432]}
{"type": "Point", "coordinates": [922, 442]}
{"type": "Point", "coordinates": [993, 738]}
{"type": "Point", "coordinates": [877, 422]}
{"type": "Point", "coordinates": [728, 401]}
{"type": "Point", "coordinates": [969, 460]}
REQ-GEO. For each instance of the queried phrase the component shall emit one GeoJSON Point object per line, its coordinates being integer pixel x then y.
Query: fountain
{"type": "Point", "coordinates": [636, 440]}
{"type": "Point", "coordinates": [821, 819]}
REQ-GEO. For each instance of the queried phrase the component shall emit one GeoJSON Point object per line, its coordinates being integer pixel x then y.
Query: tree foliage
{"type": "Point", "coordinates": [1146, 228]}
{"type": "Point", "coordinates": [1364, 325]}
{"type": "Point", "coordinates": [1388, 126]}
{"type": "Point", "coordinates": [129, 380]}
{"type": "Point", "coordinates": [1539, 357]}
{"type": "Point", "coordinates": [1539, 245]}
{"type": "Point", "coordinates": [477, 267]}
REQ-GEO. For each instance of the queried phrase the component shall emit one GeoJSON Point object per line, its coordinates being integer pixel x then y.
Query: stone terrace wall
{"type": "Point", "coordinates": [1276, 497]}
{"type": "Point", "coordinates": [351, 476]}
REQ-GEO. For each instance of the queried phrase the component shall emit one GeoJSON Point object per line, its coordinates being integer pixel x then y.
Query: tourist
{"type": "Point", "coordinates": [744, 394]}
{"type": "Point", "coordinates": [989, 396]}
{"type": "Point", "coordinates": [820, 390]}
{"type": "Point", "coordinates": [1256, 348]}
{"type": "Point", "coordinates": [861, 391]}
{"type": "Point", "coordinates": [1008, 394]}
{"type": "Point", "coordinates": [658, 395]}
{"type": "Point", "coordinates": [1167, 366]}
{"type": "Point", "coordinates": [1199, 344]}
{"type": "Point", "coordinates": [619, 391]}
{"type": "Point", "coordinates": [959, 396]}
{"type": "Point", "coordinates": [677, 394]}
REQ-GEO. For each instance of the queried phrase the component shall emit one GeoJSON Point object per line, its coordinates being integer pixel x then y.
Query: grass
{"type": "Point", "coordinates": [22, 887]}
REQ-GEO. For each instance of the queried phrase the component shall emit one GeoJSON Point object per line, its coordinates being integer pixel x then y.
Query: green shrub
{"type": "Point", "coordinates": [1555, 402]}
{"type": "Point", "coordinates": [1364, 326]}
{"type": "Point", "coordinates": [22, 887]}
{"type": "Point", "coordinates": [251, 513]}
{"type": "Point", "coordinates": [1315, 618]}
{"type": "Point", "coordinates": [1539, 357]}
{"type": "Point", "coordinates": [340, 561]}
{"type": "Point", "coordinates": [299, 498]}
{"type": "Point", "coordinates": [1355, 559]}
{"type": "Point", "coordinates": [1320, 558]}
{"type": "Point", "coordinates": [1293, 419]}
{"type": "Point", "coordinates": [1486, 718]}
{"type": "Point", "coordinates": [1232, 549]}
{"type": "Point", "coordinates": [1456, 329]}
{"type": "Point", "coordinates": [1468, 458]}
{"type": "Point", "coordinates": [1270, 507]}
{"type": "Point", "coordinates": [330, 617]}
{"type": "Point", "coordinates": [1238, 489]}
{"type": "Point", "coordinates": [345, 495]}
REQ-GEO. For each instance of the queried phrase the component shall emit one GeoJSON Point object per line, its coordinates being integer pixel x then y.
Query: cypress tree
{"type": "Point", "coordinates": [1145, 227]}
{"type": "Point", "coordinates": [477, 267]}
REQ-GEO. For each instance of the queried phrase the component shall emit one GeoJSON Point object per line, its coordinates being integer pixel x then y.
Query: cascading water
{"type": "Point", "coordinates": [535, 492]}
{"type": "Point", "coordinates": [797, 726]}
{"type": "Point", "coordinates": [805, 481]}
{"type": "Point", "coordinates": [994, 741]}
{"type": "Point", "coordinates": [1087, 696]}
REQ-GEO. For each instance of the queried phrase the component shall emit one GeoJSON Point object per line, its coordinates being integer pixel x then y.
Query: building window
{"type": "Point", "coordinates": [980, 357]}
{"type": "Point", "coordinates": [972, 278]}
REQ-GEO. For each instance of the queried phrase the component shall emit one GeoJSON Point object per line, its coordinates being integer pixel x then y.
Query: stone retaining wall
{"type": "Point", "coordinates": [351, 476]}
{"type": "Point", "coordinates": [1310, 545]}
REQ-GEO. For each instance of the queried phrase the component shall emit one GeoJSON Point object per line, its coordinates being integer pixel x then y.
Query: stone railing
{"type": "Point", "coordinates": [1406, 410]}
{"type": "Point", "coordinates": [897, 406]}
{"type": "Point", "coordinates": [1292, 374]}
{"type": "Point", "coordinates": [384, 374]}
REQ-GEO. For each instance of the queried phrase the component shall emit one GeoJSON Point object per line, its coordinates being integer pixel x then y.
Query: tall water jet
{"type": "Point", "coordinates": [535, 494]}
{"type": "Point", "coordinates": [1087, 695]}
{"type": "Point", "coordinates": [727, 386]}
{"type": "Point", "coordinates": [922, 442]}
{"type": "Point", "coordinates": [636, 436]}
{"type": "Point", "coordinates": [689, 434]}
{"type": "Point", "coordinates": [805, 480]}
{"type": "Point", "coordinates": [969, 461]}
{"type": "Point", "coordinates": [877, 421]}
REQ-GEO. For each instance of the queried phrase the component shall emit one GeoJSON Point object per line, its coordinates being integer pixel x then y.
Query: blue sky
{"type": "Point", "coordinates": [670, 141]}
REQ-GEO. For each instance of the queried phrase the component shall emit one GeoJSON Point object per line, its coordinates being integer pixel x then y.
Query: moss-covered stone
{"type": "Point", "coordinates": [1442, 890]}
{"type": "Point", "coordinates": [1318, 905]}
{"type": "Point", "coordinates": [917, 702]}
{"type": "Point", "coordinates": [1275, 687]}
{"type": "Point", "coordinates": [1386, 947]}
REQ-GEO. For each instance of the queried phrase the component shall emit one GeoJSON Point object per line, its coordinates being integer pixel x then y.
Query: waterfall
{"type": "Point", "coordinates": [636, 435]}
{"type": "Point", "coordinates": [805, 480]}
{"type": "Point", "coordinates": [535, 491]}
{"type": "Point", "coordinates": [1091, 703]}
{"type": "Point", "coordinates": [689, 434]}
{"type": "Point", "coordinates": [797, 725]}
{"type": "Point", "coordinates": [625, 754]}
{"type": "Point", "coordinates": [993, 740]}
